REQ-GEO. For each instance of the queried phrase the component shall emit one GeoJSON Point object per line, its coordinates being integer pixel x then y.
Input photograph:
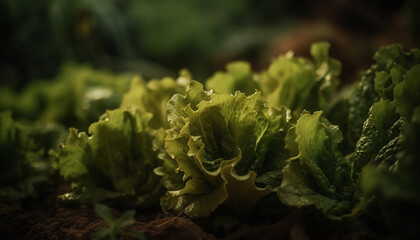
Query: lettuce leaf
{"type": "Point", "coordinates": [221, 145]}
{"type": "Point", "coordinates": [376, 134]}
{"type": "Point", "coordinates": [317, 173]}
{"type": "Point", "coordinates": [407, 92]}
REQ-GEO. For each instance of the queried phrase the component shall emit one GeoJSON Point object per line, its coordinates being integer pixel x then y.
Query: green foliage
{"type": "Point", "coordinates": [116, 226]}
{"type": "Point", "coordinates": [24, 160]}
{"type": "Point", "coordinates": [77, 97]}
{"type": "Point", "coordinates": [300, 141]}
{"type": "Point", "coordinates": [115, 163]}
{"type": "Point", "coordinates": [392, 181]}
{"type": "Point", "coordinates": [317, 174]}
{"type": "Point", "coordinates": [294, 82]}
{"type": "Point", "coordinates": [375, 134]}
{"type": "Point", "coordinates": [378, 81]}
{"type": "Point", "coordinates": [237, 78]}
{"type": "Point", "coordinates": [407, 92]}
{"type": "Point", "coordinates": [301, 84]}
{"type": "Point", "coordinates": [154, 95]}
{"type": "Point", "coordinates": [223, 146]}
{"type": "Point", "coordinates": [12, 140]}
{"type": "Point", "coordinates": [119, 33]}
{"type": "Point", "coordinates": [394, 187]}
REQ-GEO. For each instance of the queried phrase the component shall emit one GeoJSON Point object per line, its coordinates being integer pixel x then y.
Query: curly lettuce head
{"type": "Point", "coordinates": [115, 163]}
{"type": "Point", "coordinates": [228, 149]}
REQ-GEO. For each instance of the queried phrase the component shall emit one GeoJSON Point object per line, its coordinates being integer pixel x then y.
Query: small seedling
{"type": "Point", "coordinates": [116, 226]}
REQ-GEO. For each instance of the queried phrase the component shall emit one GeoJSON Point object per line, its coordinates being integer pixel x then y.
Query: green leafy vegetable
{"type": "Point", "coordinates": [320, 175]}
{"type": "Point", "coordinates": [238, 77]}
{"type": "Point", "coordinates": [77, 97]}
{"type": "Point", "coordinates": [154, 95]}
{"type": "Point", "coordinates": [24, 160]}
{"type": "Point", "coordinates": [223, 145]}
{"type": "Point", "coordinates": [300, 84]}
{"type": "Point", "coordinates": [317, 174]}
{"type": "Point", "coordinates": [393, 182]}
{"type": "Point", "coordinates": [235, 150]}
{"type": "Point", "coordinates": [395, 187]}
{"type": "Point", "coordinates": [407, 92]}
{"type": "Point", "coordinates": [375, 133]}
{"type": "Point", "coordinates": [378, 81]}
{"type": "Point", "coordinates": [115, 164]}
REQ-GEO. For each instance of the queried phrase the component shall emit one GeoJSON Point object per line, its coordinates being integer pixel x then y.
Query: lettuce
{"type": "Point", "coordinates": [394, 188]}
{"type": "Point", "coordinates": [317, 173]}
{"type": "Point", "coordinates": [24, 160]}
{"type": "Point", "coordinates": [320, 175]}
{"type": "Point", "coordinates": [115, 163]}
{"type": "Point", "coordinates": [238, 77]}
{"type": "Point", "coordinates": [393, 184]}
{"type": "Point", "coordinates": [378, 82]}
{"type": "Point", "coordinates": [294, 82]}
{"type": "Point", "coordinates": [407, 92]}
{"type": "Point", "coordinates": [154, 95]}
{"type": "Point", "coordinates": [77, 97]}
{"type": "Point", "coordinates": [308, 166]}
{"type": "Point", "coordinates": [299, 83]}
{"type": "Point", "coordinates": [284, 134]}
{"type": "Point", "coordinates": [228, 150]}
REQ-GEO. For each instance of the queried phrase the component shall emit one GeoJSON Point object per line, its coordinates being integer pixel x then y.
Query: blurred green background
{"type": "Point", "coordinates": [157, 38]}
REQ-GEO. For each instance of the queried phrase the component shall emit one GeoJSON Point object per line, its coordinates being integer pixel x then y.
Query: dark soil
{"type": "Point", "coordinates": [42, 219]}
{"type": "Point", "coordinates": [18, 223]}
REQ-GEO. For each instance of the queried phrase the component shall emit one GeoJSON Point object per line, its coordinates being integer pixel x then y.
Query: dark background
{"type": "Point", "coordinates": [159, 37]}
